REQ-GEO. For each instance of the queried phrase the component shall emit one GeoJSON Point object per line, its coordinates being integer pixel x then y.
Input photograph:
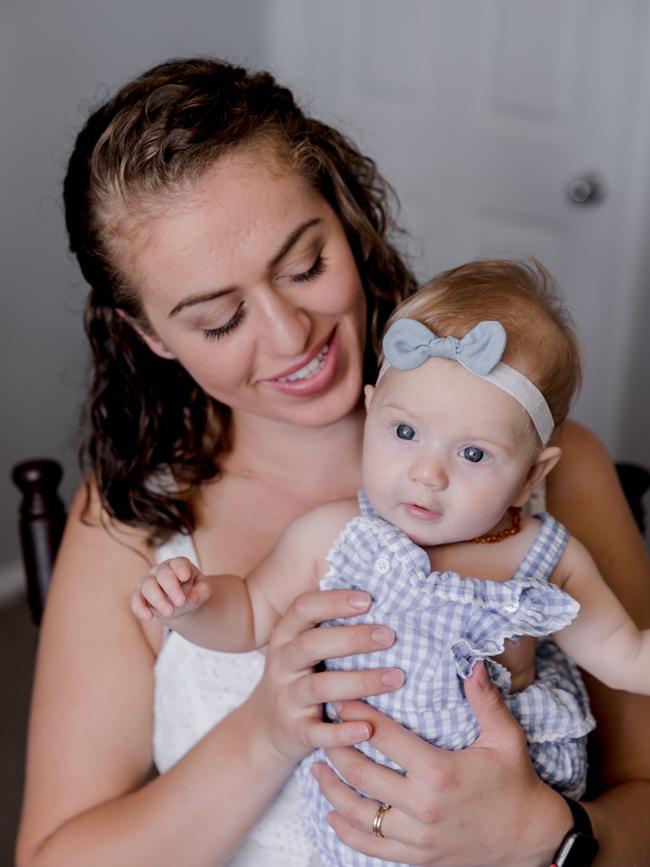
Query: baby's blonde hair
{"type": "Point", "coordinates": [522, 296]}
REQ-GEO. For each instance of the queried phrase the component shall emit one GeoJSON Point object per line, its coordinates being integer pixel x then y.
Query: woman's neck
{"type": "Point", "coordinates": [309, 462]}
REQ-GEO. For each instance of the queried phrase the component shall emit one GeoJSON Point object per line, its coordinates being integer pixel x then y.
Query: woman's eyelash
{"type": "Point", "coordinates": [316, 270]}
{"type": "Point", "coordinates": [218, 333]}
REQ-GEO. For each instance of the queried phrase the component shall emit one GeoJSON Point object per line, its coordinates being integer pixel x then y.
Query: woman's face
{"type": "Point", "coordinates": [248, 281]}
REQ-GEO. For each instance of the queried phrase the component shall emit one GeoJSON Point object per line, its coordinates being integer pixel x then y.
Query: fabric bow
{"type": "Point", "coordinates": [408, 344]}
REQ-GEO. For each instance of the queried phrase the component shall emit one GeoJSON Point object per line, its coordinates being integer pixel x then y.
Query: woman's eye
{"type": "Point", "coordinates": [315, 271]}
{"type": "Point", "coordinates": [221, 330]}
{"type": "Point", "coordinates": [473, 454]}
{"type": "Point", "coordinates": [404, 432]}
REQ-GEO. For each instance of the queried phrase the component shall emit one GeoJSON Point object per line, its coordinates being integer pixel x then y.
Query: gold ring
{"type": "Point", "coordinates": [379, 818]}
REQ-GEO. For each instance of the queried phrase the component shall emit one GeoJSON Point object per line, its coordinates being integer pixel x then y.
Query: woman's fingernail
{"type": "Point", "coordinates": [359, 600]}
{"type": "Point", "coordinates": [383, 636]}
{"type": "Point", "coordinates": [362, 732]}
{"type": "Point", "coordinates": [315, 771]}
{"type": "Point", "coordinates": [480, 674]}
{"type": "Point", "coordinates": [394, 677]}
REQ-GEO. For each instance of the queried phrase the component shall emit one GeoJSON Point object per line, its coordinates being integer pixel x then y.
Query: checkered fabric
{"type": "Point", "coordinates": [444, 623]}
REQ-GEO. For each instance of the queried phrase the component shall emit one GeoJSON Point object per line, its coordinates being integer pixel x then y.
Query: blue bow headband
{"type": "Point", "coordinates": [408, 344]}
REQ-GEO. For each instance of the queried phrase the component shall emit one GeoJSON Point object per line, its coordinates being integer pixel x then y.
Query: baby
{"type": "Point", "coordinates": [480, 366]}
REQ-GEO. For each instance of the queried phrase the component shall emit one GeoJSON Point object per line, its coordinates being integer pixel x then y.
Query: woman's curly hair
{"type": "Point", "coordinates": [153, 435]}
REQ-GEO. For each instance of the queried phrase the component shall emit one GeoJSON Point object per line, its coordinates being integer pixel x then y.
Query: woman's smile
{"type": "Point", "coordinates": [313, 375]}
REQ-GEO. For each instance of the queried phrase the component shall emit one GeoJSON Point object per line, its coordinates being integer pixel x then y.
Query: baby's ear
{"type": "Point", "coordinates": [368, 393]}
{"type": "Point", "coordinates": [543, 465]}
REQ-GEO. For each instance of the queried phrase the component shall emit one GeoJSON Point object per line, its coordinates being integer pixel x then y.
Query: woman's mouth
{"type": "Point", "coordinates": [309, 369]}
{"type": "Point", "coordinates": [315, 375]}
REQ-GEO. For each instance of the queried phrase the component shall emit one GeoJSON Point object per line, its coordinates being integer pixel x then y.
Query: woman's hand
{"type": "Point", "coordinates": [291, 693]}
{"type": "Point", "coordinates": [482, 805]}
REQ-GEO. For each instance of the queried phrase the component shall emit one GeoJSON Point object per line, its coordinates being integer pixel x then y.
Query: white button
{"type": "Point", "coordinates": [382, 566]}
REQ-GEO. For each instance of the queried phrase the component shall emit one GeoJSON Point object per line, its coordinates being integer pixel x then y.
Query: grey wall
{"type": "Point", "coordinates": [57, 59]}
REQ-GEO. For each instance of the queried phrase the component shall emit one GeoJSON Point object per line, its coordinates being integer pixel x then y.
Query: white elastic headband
{"type": "Point", "coordinates": [409, 343]}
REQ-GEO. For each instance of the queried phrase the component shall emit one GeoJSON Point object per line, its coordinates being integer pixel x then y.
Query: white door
{"type": "Point", "coordinates": [481, 113]}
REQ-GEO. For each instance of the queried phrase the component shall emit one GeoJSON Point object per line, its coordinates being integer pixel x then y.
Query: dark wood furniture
{"type": "Point", "coordinates": [41, 520]}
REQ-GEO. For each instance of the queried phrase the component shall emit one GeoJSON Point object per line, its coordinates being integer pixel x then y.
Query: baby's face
{"type": "Point", "coordinates": [445, 452]}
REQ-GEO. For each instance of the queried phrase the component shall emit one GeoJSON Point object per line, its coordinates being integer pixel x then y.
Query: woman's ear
{"type": "Point", "coordinates": [368, 393]}
{"type": "Point", "coordinates": [154, 343]}
{"type": "Point", "coordinates": [544, 463]}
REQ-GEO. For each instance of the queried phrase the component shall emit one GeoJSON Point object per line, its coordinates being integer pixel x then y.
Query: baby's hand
{"type": "Point", "coordinates": [170, 590]}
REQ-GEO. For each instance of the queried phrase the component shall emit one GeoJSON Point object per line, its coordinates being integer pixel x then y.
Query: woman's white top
{"type": "Point", "coordinates": [194, 689]}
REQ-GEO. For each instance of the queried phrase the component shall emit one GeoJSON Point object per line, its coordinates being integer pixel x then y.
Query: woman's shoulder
{"type": "Point", "coordinates": [89, 525]}
{"type": "Point", "coordinates": [98, 562]}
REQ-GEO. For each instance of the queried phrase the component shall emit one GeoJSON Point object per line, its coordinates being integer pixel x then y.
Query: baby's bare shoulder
{"type": "Point", "coordinates": [328, 520]}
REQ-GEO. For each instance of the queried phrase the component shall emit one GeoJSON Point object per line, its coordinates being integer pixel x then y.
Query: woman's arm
{"type": "Point", "coordinates": [89, 797]}
{"type": "Point", "coordinates": [447, 810]}
{"type": "Point", "coordinates": [584, 493]}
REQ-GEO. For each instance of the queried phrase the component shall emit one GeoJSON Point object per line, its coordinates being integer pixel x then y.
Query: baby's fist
{"type": "Point", "coordinates": [170, 590]}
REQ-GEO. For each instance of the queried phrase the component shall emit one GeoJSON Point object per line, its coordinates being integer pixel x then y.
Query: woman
{"type": "Point", "coordinates": [238, 255]}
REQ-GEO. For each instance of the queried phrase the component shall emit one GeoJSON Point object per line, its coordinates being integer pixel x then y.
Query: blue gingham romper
{"type": "Point", "coordinates": [444, 623]}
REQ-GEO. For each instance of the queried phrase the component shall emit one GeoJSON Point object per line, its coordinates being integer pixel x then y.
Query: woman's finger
{"type": "Point", "coordinates": [328, 686]}
{"type": "Point", "coordinates": [329, 735]}
{"type": "Point", "coordinates": [395, 742]}
{"type": "Point", "coordinates": [310, 609]}
{"type": "Point", "coordinates": [314, 645]}
{"type": "Point", "coordinates": [498, 726]}
{"type": "Point", "coordinates": [374, 780]}
{"type": "Point", "coordinates": [359, 812]}
{"type": "Point", "coordinates": [370, 844]}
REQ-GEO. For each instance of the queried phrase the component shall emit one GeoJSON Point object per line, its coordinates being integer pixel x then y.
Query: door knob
{"type": "Point", "coordinates": [586, 189]}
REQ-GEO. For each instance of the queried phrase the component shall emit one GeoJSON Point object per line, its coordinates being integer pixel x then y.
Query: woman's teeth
{"type": "Point", "coordinates": [309, 369]}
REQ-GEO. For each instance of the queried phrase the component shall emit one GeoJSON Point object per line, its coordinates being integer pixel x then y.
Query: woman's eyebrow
{"type": "Point", "coordinates": [293, 239]}
{"type": "Point", "coordinates": [290, 242]}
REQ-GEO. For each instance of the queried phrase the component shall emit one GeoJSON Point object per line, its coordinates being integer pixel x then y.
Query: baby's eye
{"type": "Point", "coordinates": [473, 454]}
{"type": "Point", "coordinates": [405, 432]}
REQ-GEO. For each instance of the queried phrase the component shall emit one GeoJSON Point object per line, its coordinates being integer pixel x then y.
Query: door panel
{"type": "Point", "coordinates": [480, 114]}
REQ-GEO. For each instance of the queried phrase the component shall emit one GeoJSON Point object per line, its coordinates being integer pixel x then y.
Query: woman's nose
{"type": "Point", "coordinates": [287, 328]}
{"type": "Point", "coordinates": [429, 470]}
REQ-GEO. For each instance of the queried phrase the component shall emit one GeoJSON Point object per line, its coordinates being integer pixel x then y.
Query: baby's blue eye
{"type": "Point", "coordinates": [405, 431]}
{"type": "Point", "coordinates": [473, 454]}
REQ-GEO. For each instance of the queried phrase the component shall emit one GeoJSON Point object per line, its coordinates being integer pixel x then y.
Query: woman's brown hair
{"type": "Point", "coordinates": [153, 434]}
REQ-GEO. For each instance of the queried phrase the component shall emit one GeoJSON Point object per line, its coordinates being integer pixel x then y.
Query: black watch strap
{"type": "Point", "coordinates": [579, 847]}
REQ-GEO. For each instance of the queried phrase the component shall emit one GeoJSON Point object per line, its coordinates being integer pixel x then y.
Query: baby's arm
{"type": "Point", "coordinates": [213, 611]}
{"type": "Point", "coordinates": [228, 613]}
{"type": "Point", "coordinates": [603, 639]}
